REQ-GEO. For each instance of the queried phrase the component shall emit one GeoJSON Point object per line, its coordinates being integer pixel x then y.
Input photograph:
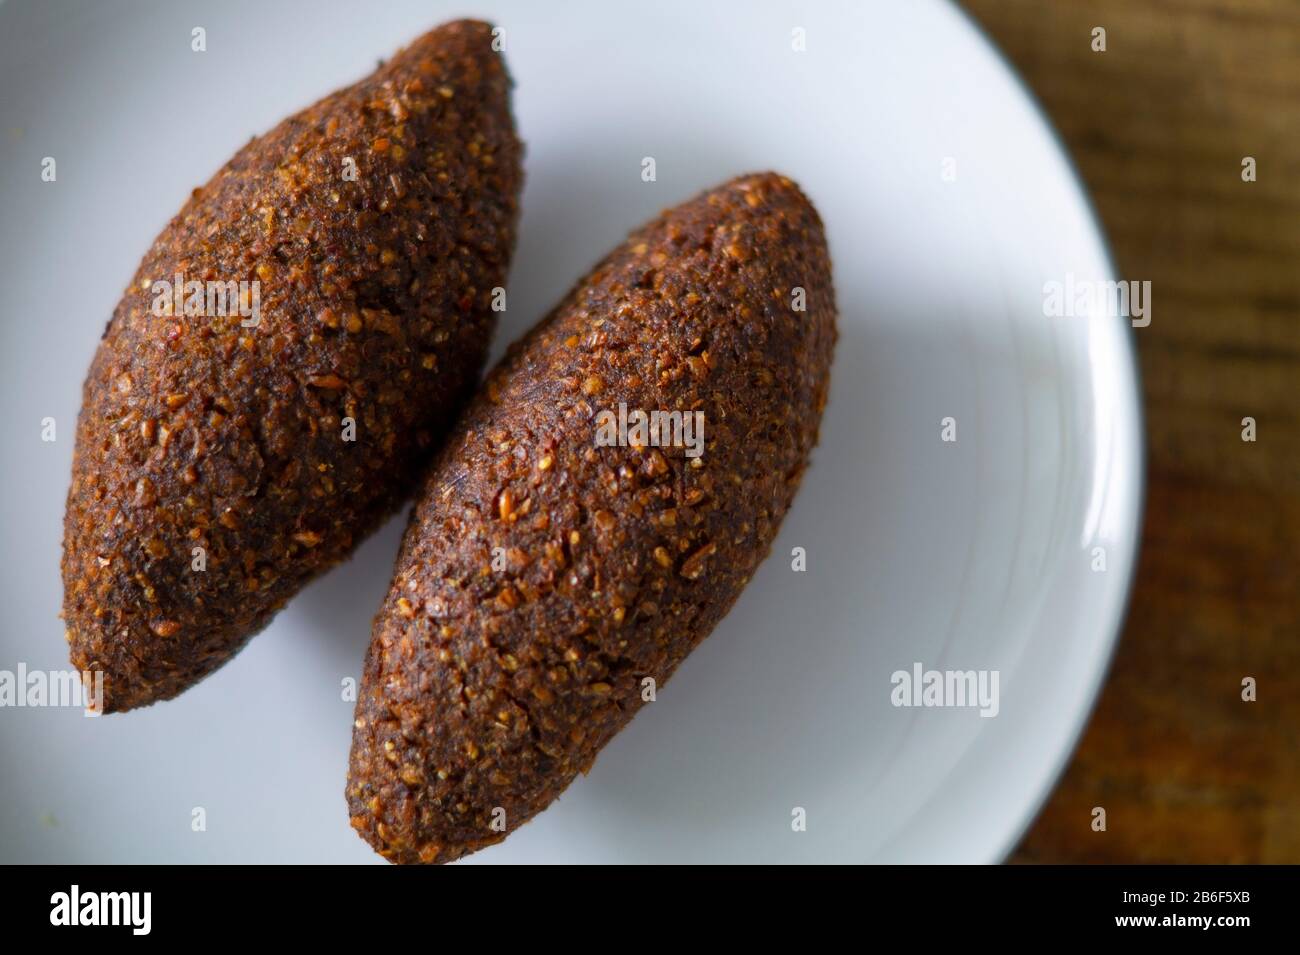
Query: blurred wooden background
{"type": "Point", "coordinates": [1158, 125]}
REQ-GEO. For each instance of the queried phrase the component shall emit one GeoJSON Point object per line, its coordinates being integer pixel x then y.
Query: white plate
{"type": "Point", "coordinates": [974, 554]}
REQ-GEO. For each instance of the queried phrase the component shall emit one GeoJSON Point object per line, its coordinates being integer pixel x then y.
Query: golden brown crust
{"type": "Point", "coordinates": [489, 687]}
{"type": "Point", "coordinates": [198, 432]}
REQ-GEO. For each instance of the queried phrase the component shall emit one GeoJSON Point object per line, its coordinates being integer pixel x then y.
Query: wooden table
{"type": "Point", "coordinates": [1159, 124]}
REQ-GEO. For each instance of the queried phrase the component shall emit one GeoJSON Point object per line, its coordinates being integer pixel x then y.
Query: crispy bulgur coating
{"type": "Point", "coordinates": [543, 578]}
{"type": "Point", "coordinates": [213, 474]}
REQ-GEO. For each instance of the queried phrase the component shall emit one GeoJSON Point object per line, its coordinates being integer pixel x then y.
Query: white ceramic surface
{"type": "Point", "coordinates": [975, 554]}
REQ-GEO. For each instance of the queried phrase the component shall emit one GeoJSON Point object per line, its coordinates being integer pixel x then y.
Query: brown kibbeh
{"type": "Point", "coordinates": [212, 476]}
{"type": "Point", "coordinates": [487, 689]}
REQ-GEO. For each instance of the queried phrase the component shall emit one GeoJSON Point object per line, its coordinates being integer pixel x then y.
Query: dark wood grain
{"type": "Point", "coordinates": [1158, 125]}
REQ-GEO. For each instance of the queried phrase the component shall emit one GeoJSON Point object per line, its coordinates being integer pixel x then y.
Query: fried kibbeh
{"type": "Point", "coordinates": [226, 456]}
{"type": "Point", "coordinates": [562, 553]}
